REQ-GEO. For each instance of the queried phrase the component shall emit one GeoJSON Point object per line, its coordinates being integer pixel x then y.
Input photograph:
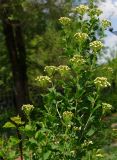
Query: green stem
{"type": "Point", "coordinates": [80, 47]}
{"type": "Point", "coordinates": [93, 110]}
{"type": "Point", "coordinates": [58, 110]}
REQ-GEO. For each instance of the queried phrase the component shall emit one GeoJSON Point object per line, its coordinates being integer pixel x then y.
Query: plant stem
{"type": "Point", "coordinates": [20, 143]}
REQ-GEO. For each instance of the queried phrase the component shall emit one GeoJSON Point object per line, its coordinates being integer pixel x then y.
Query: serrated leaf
{"type": "Point", "coordinates": [17, 120]}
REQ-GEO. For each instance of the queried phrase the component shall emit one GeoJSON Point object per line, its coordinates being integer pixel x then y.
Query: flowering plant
{"type": "Point", "coordinates": [67, 126]}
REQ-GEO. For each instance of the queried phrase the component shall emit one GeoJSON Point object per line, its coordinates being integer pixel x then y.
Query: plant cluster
{"type": "Point", "coordinates": [67, 127]}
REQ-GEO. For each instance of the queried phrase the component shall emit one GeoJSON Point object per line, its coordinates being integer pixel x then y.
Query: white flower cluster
{"type": "Point", "coordinates": [106, 107]}
{"type": "Point", "coordinates": [63, 70]}
{"type": "Point", "coordinates": [81, 9]}
{"type": "Point", "coordinates": [96, 45]}
{"type": "Point", "coordinates": [27, 108]}
{"type": "Point", "coordinates": [50, 70]}
{"type": "Point", "coordinates": [95, 12]}
{"type": "Point", "coordinates": [110, 69]}
{"type": "Point", "coordinates": [101, 82]}
{"type": "Point", "coordinates": [77, 60]}
{"type": "Point", "coordinates": [67, 116]}
{"type": "Point", "coordinates": [43, 80]}
{"type": "Point", "coordinates": [81, 36]}
{"type": "Point", "coordinates": [65, 20]}
{"type": "Point", "coordinates": [99, 153]}
{"type": "Point", "coordinates": [86, 143]}
{"type": "Point", "coordinates": [76, 128]}
{"type": "Point", "coordinates": [106, 23]}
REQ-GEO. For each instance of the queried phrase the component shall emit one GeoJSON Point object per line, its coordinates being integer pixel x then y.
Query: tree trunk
{"type": "Point", "coordinates": [17, 55]}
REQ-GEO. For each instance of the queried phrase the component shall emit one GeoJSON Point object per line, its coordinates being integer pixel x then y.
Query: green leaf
{"type": "Point", "coordinates": [9, 125]}
{"type": "Point", "coordinates": [40, 136]}
{"type": "Point", "coordinates": [90, 132]}
{"type": "Point", "coordinates": [14, 140]}
{"type": "Point", "coordinates": [1, 153]}
{"type": "Point", "coordinates": [12, 155]}
{"type": "Point", "coordinates": [91, 99]}
{"type": "Point", "coordinates": [32, 143]}
{"type": "Point", "coordinates": [28, 128]}
{"type": "Point", "coordinates": [17, 120]}
{"type": "Point", "coordinates": [46, 155]}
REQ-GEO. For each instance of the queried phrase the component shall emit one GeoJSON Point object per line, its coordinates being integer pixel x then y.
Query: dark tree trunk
{"type": "Point", "coordinates": [17, 55]}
